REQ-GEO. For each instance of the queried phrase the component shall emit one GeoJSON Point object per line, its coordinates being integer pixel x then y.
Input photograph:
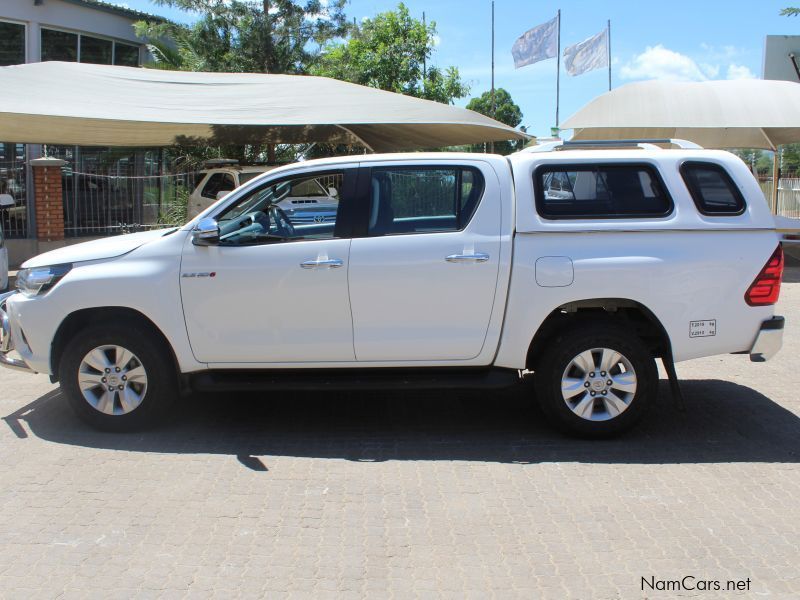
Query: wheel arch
{"type": "Point", "coordinates": [79, 319]}
{"type": "Point", "coordinates": [618, 311]}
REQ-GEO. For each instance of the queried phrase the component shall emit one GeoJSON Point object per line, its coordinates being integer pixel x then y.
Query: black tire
{"type": "Point", "coordinates": [567, 346]}
{"type": "Point", "coordinates": [151, 352]}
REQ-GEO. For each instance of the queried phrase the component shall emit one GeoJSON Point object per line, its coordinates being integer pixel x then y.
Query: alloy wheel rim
{"type": "Point", "coordinates": [112, 380]}
{"type": "Point", "coordinates": [599, 384]}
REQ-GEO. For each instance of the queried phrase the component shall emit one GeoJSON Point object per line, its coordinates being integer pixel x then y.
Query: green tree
{"type": "Point", "coordinates": [268, 36]}
{"type": "Point", "coordinates": [503, 109]}
{"type": "Point", "coordinates": [791, 11]}
{"type": "Point", "coordinates": [391, 52]}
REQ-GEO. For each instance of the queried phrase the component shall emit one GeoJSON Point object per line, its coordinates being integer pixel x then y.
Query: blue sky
{"type": "Point", "coordinates": [674, 39]}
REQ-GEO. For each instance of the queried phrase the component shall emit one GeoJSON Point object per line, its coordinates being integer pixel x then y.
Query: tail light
{"type": "Point", "coordinates": [766, 287]}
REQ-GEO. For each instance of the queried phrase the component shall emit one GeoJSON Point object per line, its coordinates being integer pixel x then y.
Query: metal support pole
{"type": "Point", "coordinates": [558, 66]}
{"type": "Point", "coordinates": [608, 38]}
{"type": "Point", "coordinates": [775, 179]}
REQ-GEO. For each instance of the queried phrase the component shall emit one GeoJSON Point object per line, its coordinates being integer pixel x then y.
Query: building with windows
{"type": "Point", "coordinates": [69, 30]}
{"type": "Point", "coordinates": [88, 31]}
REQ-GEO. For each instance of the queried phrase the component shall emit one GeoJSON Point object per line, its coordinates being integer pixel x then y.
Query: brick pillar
{"type": "Point", "coordinates": [47, 199]}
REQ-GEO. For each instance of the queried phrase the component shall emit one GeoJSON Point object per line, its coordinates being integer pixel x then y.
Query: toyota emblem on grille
{"type": "Point", "coordinates": [319, 219]}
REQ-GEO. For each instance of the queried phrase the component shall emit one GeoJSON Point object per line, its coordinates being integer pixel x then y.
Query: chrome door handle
{"type": "Point", "coordinates": [327, 263]}
{"type": "Point", "coordinates": [472, 258]}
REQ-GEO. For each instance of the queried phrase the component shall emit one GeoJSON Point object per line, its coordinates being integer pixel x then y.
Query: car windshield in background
{"type": "Point", "coordinates": [246, 176]}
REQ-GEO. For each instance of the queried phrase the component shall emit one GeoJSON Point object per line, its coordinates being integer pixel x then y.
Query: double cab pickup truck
{"type": "Point", "coordinates": [575, 264]}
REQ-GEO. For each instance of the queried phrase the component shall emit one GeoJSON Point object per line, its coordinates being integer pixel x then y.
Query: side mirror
{"type": "Point", "coordinates": [206, 232]}
{"type": "Point", "coordinates": [333, 192]}
{"type": "Point", "coordinates": [222, 193]}
{"type": "Point", "coordinates": [6, 200]}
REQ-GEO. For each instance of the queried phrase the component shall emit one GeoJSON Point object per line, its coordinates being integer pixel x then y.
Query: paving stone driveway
{"type": "Point", "coordinates": [408, 495]}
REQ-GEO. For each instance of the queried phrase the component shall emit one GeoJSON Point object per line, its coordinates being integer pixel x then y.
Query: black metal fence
{"type": "Point", "coordinates": [112, 191]}
{"type": "Point", "coordinates": [13, 177]}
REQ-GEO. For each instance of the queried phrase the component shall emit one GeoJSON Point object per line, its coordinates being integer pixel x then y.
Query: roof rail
{"type": "Point", "coordinates": [648, 144]}
{"type": "Point", "coordinates": [214, 163]}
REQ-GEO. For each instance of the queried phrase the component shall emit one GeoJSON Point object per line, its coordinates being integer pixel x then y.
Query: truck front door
{"type": "Point", "coordinates": [271, 291]}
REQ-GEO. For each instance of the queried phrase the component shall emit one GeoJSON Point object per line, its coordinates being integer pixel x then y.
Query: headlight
{"type": "Point", "coordinates": [37, 280]}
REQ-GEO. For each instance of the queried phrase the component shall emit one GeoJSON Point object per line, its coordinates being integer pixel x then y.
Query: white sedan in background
{"type": "Point", "coordinates": [306, 202]}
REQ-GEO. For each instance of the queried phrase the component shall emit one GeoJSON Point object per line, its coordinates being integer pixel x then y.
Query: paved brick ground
{"type": "Point", "coordinates": [407, 495]}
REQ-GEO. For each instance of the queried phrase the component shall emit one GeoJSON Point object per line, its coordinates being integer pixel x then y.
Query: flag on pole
{"type": "Point", "coordinates": [590, 54]}
{"type": "Point", "coordinates": [539, 43]}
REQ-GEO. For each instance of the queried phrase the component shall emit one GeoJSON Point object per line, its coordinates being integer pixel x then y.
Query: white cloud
{"type": "Point", "coordinates": [739, 72]}
{"type": "Point", "coordinates": [658, 62]}
{"type": "Point", "coordinates": [710, 71]}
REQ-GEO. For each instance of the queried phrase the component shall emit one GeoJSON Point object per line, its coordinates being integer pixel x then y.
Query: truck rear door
{"type": "Point", "coordinates": [423, 277]}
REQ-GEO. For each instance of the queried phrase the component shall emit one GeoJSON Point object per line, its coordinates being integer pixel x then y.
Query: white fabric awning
{"type": "Point", "coordinates": [748, 113]}
{"type": "Point", "coordinates": [97, 105]}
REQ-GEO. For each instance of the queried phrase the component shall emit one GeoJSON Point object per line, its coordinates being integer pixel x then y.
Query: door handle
{"type": "Point", "coordinates": [326, 263]}
{"type": "Point", "coordinates": [468, 258]}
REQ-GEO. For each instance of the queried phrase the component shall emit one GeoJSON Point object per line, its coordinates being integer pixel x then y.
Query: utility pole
{"type": "Point", "coordinates": [268, 26]}
{"type": "Point", "coordinates": [494, 106]}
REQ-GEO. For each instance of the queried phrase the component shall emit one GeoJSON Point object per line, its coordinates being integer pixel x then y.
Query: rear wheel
{"type": "Point", "coordinates": [117, 378]}
{"type": "Point", "coordinates": [596, 380]}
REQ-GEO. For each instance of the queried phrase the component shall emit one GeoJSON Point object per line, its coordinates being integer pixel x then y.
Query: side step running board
{"type": "Point", "coordinates": [353, 379]}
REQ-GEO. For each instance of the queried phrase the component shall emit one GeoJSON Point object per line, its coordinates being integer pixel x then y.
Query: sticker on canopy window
{"type": "Point", "coordinates": [702, 328]}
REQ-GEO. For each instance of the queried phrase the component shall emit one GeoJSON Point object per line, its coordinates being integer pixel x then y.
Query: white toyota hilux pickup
{"type": "Point", "coordinates": [578, 264]}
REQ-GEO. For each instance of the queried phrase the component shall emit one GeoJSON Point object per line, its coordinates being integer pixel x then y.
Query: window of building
{"type": "Point", "coordinates": [95, 50]}
{"type": "Point", "coordinates": [712, 189]}
{"type": "Point", "coordinates": [600, 191]}
{"type": "Point", "coordinates": [126, 55]}
{"type": "Point", "coordinates": [59, 45]}
{"type": "Point", "coordinates": [423, 200]}
{"type": "Point", "coordinates": [12, 44]}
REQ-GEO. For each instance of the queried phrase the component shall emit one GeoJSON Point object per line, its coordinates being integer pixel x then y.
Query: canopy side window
{"type": "Point", "coordinates": [598, 191]}
{"type": "Point", "coordinates": [712, 189]}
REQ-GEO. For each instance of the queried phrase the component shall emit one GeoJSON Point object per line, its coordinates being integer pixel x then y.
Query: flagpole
{"type": "Point", "coordinates": [558, 66]}
{"type": "Point", "coordinates": [494, 108]}
{"type": "Point", "coordinates": [609, 54]}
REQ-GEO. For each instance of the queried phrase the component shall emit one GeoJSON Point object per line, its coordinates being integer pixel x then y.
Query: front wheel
{"type": "Point", "coordinates": [596, 380]}
{"type": "Point", "coordinates": [117, 378]}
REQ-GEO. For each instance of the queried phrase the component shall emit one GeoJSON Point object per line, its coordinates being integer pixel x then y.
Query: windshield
{"type": "Point", "coordinates": [248, 175]}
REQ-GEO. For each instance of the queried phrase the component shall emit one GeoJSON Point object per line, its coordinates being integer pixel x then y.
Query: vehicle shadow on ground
{"type": "Point", "coordinates": [723, 422]}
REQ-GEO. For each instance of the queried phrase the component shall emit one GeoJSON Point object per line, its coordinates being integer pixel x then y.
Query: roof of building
{"type": "Point", "coordinates": [117, 9]}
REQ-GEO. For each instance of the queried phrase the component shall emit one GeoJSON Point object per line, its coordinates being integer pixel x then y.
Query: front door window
{"type": "Point", "coordinates": [284, 211]}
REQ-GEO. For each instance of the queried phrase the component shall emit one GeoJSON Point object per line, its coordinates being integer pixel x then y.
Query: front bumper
{"type": "Point", "coordinates": [769, 340]}
{"type": "Point", "coordinates": [7, 342]}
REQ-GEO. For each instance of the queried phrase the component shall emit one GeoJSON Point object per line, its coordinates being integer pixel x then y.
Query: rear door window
{"type": "Point", "coordinates": [588, 191]}
{"type": "Point", "coordinates": [712, 189]}
{"type": "Point", "coordinates": [423, 199]}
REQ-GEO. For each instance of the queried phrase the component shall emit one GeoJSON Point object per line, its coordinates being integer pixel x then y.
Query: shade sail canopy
{"type": "Point", "coordinates": [751, 113]}
{"type": "Point", "coordinates": [97, 105]}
